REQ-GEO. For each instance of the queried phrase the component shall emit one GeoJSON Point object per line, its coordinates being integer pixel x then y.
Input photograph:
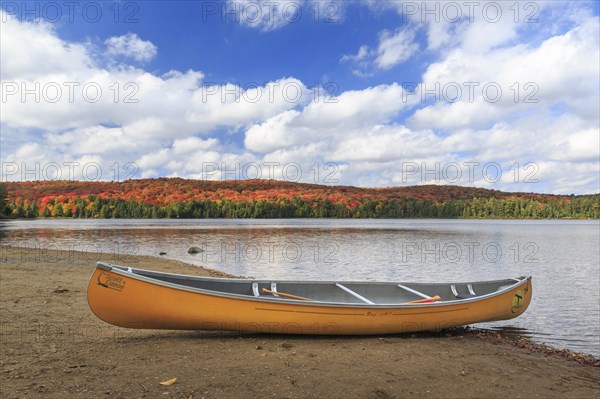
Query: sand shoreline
{"type": "Point", "coordinates": [52, 345]}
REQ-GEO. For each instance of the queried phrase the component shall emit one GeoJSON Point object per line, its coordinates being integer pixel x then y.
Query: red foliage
{"type": "Point", "coordinates": [164, 191]}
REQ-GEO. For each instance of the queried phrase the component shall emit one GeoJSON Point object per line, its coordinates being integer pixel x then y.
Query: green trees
{"type": "Point", "coordinates": [489, 208]}
{"type": "Point", "coordinates": [21, 208]}
{"type": "Point", "coordinates": [582, 207]}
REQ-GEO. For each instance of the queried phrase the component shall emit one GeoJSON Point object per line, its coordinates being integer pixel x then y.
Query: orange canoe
{"type": "Point", "coordinates": [138, 298]}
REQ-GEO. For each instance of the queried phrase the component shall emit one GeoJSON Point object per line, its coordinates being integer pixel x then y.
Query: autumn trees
{"type": "Point", "coordinates": [180, 198]}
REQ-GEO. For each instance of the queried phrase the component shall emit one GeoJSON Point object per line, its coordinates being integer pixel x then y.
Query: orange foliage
{"type": "Point", "coordinates": [164, 191]}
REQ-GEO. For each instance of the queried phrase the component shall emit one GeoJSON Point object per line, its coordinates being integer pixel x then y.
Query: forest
{"type": "Point", "coordinates": [186, 198]}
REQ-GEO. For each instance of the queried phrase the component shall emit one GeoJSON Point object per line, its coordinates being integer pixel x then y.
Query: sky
{"type": "Point", "coordinates": [494, 94]}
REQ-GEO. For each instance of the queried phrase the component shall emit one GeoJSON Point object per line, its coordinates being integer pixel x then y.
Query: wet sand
{"type": "Point", "coordinates": [52, 346]}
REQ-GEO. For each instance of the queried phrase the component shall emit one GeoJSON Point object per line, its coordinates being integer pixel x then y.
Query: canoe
{"type": "Point", "coordinates": [137, 298]}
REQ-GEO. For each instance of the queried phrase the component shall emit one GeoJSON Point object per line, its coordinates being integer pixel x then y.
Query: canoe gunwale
{"type": "Point", "coordinates": [129, 272]}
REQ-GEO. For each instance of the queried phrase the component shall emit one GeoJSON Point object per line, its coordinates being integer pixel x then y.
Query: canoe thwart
{"type": "Point", "coordinates": [354, 294]}
{"type": "Point", "coordinates": [417, 293]}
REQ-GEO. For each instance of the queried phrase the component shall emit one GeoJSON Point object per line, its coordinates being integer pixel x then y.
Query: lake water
{"type": "Point", "coordinates": [562, 256]}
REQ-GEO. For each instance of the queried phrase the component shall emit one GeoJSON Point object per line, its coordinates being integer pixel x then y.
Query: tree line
{"type": "Point", "coordinates": [534, 207]}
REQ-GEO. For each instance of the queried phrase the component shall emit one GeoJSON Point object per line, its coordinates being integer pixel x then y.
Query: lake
{"type": "Point", "coordinates": [562, 256]}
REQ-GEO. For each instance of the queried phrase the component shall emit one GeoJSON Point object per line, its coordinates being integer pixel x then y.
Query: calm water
{"type": "Point", "coordinates": [562, 256]}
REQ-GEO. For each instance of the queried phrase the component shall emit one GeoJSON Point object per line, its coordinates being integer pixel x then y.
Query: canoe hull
{"type": "Point", "coordinates": [126, 301]}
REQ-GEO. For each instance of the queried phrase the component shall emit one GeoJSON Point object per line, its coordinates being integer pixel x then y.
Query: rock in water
{"type": "Point", "coordinates": [195, 250]}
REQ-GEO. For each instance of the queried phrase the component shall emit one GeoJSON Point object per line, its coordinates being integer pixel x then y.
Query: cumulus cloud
{"type": "Point", "coordinates": [118, 113]}
{"type": "Point", "coordinates": [80, 94]}
{"type": "Point", "coordinates": [130, 45]}
{"type": "Point", "coordinates": [331, 120]}
{"type": "Point", "coordinates": [508, 80]}
{"type": "Point", "coordinates": [177, 124]}
{"type": "Point", "coordinates": [393, 49]}
{"type": "Point", "coordinates": [30, 50]}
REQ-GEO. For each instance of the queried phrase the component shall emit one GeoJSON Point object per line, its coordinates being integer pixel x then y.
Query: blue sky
{"type": "Point", "coordinates": [309, 48]}
{"type": "Point", "coordinates": [211, 84]}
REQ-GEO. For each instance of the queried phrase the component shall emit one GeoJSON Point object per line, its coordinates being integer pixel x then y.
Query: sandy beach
{"type": "Point", "coordinates": [52, 346]}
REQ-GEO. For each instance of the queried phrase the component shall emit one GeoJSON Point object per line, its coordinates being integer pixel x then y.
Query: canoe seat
{"type": "Point", "coordinates": [471, 293]}
{"type": "Point", "coordinates": [280, 295]}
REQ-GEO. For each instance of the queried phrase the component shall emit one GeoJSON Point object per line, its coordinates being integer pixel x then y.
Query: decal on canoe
{"type": "Point", "coordinates": [109, 280]}
{"type": "Point", "coordinates": [517, 301]}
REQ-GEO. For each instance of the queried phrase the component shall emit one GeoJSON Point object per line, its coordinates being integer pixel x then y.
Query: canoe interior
{"type": "Point", "coordinates": [379, 293]}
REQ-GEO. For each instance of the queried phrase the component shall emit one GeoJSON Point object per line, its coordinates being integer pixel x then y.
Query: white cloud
{"type": "Point", "coordinates": [130, 45]}
{"type": "Point", "coordinates": [268, 15]}
{"type": "Point", "coordinates": [134, 115]}
{"type": "Point", "coordinates": [184, 156]}
{"type": "Point", "coordinates": [272, 134]}
{"type": "Point", "coordinates": [30, 151]}
{"type": "Point", "coordinates": [395, 48]}
{"type": "Point", "coordinates": [193, 144]}
{"type": "Point", "coordinates": [33, 49]}
{"type": "Point", "coordinates": [382, 144]}
{"type": "Point", "coordinates": [142, 104]}
{"type": "Point", "coordinates": [93, 140]}
{"type": "Point", "coordinates": [562, 69]}
{"type": "Point", "coordinates": [329, 120]}
{"type": "Point", "coordinates": [362, 53]}
{"type": "Point", "coordinates": [265, 15]}
{"type": "Point", "coordinates": [180, 123]}
{"type": "Point", "coordinates": [235, 106]}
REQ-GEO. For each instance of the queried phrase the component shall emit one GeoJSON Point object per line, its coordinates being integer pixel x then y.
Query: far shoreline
{"type": "Point", "coordinates": [291, 218]}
